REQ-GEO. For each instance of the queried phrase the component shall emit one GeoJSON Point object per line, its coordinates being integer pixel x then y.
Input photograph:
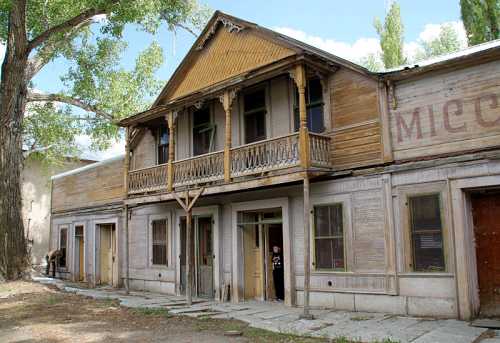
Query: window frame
{"type": "Point", "coordinates": [153, 218]}
{"type": "Point", "coordinates": [213, 139]}
{"type": "Point", "coordinates": [260, 87]}
{"type": "Point", "coordinates": [345, 201]}
{"type": "Point", "coordinates": [60, 229]}
{"type": "Point", "coordinates": [158, 145]}
{"type": "Point", "coordinates": [404, 195]}
{"type": "Point", "coordinates": [295, 104]}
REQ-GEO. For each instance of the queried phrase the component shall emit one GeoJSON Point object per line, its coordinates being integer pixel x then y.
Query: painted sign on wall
{"type": "Point", "coordinates": [457, 111]}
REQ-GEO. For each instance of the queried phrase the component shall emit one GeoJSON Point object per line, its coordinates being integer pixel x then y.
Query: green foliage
{"type": "Point", "coordinates": [481, 19]}
{"type": "Point", "coordinates": [371, 62]}
{"type": "Point", "coordinates": [98, 89]}
{"type": "Point", "coordinates": [391, 34]}
{"type": "Point", "coordinates": [49, 133]}
{"type": "Point", "coordinates": [445, 43]}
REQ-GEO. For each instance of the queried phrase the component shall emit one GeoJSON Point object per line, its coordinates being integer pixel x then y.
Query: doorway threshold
{"type": "Point", "coordinates": [488, 323]}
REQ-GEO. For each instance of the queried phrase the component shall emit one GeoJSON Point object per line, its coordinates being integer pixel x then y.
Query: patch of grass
{"type": "Point", "coordinates": [53, 300]}
{"type": "Point", "coordinates": [151, 312]}
{"type": "Point", "coordinates": [109, 303]}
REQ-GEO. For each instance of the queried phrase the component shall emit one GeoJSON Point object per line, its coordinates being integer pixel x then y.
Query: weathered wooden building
{"type": "Point", "coordinates": [380, 188]}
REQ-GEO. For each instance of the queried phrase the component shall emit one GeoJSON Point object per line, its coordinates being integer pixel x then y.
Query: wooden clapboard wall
{"type": "Point", "coordinates": [446, 113]}
{"type": "Point", "coordinates": [355, 120]}
{"type": "Point", "coordinates": [225, 55]}
{"type": "Point", "coordinates": [96, 186]}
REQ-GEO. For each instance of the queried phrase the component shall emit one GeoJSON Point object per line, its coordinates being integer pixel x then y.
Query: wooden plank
{"type": "Point", "coordinates": [447, 113]}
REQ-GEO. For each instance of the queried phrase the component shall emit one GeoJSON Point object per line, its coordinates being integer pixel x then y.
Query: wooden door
{"type": "Point", "coordinates": [105, 255]}
{"type": "Point", "coordinates": [486, 217]}
{"type": "Point", "coordinates": [205, 273]}
{"type": "Point", "coordinates": [114, 257]}
{"type": "Point", "coordinates": [81, 254]}
{"type": "Point", "coordinates": [182, 256]}
{"type": "Point", "coordinates": [253, 262]}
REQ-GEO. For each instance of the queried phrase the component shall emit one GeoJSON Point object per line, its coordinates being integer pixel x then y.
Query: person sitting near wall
{"type": "Point", "coordinates": [52, 258]}
{"type": "Point", "coordinates": [278, 277]}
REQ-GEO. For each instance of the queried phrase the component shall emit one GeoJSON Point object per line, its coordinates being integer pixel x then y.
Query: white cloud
{"type": "Point", "coordinates": [352, 52]}
{"type": "Point", "coordinates": [84, 142]}
{"type": "Point", "coordinates": [365, 46]}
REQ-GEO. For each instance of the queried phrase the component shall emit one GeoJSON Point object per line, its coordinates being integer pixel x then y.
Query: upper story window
{"type": "Point", "coordinates": [426, 233]}
{"type": "Point", "coordinates": [254, 113]}
{"type": "Point", "coordinates": [163, 141]}
{"type": "Point", "coordinates": [203, 131]}
{"type": "Point", "coordinates": [329, 237]}
{"type": "Point", "coordinates": [314, 105]}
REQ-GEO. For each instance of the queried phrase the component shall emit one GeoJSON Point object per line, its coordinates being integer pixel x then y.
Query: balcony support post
{"type": "Point", "coordinates": [227, 100]}
{"type": "Point", "coordinates": [126, 162]}
{"type": "Point", "coordinates": [171, 150]}
{"type": "Point", "coordinates": [299, 76]}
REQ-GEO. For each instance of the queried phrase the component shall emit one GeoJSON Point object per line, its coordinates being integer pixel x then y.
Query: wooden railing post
{"type": "Point", "coordinates": [126, 163]}
{"type": "Point", "coordinates": [304, 152]}
{"type": "Point", "coordinates": [227, 100]}
{"type": "Point", "coordinates": [171, 150]}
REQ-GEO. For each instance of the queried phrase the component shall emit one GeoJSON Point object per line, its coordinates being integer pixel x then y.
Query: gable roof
{"type": "Point", "coordinates": [267, 45]}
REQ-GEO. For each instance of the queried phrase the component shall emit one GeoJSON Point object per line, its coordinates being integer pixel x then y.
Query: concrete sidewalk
{"type": "Point", "coordinates": [366, 327]}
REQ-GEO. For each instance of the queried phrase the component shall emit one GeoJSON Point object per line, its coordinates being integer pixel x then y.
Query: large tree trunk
{"type": "Point", "coordinates": [13, 93]}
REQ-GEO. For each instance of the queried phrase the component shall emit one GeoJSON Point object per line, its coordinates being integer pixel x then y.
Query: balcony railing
{"type": "Point", "coordinates": [319, 146]}
{"type": "Point", "coordinates": [263, 156]}
{"type": "Point", "coordinates": [247, 160]}
{"type": "Point", "coordinates": [200, 169]}
{"type": "Point", "coordinates": [147, 179]}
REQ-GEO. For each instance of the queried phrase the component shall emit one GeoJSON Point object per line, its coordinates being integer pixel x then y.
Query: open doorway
{"type": "Point", "coordinates": [485, 209]}
{"type": "Point", "coordinates": [108, 263]}
{"type": "Point", "coordinates": [79, 253]}
{"type": "Point", "coordinates": [203, 257]}
{"type": "Point", "coordinates": [263, 254]}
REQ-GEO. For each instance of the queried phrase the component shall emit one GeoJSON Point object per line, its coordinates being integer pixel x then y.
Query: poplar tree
{"type": "Point", "coordinates": [481, 19]}
{"type": "Point", "coordinates": [38, 32]}
{"type": "Point", "coordinates": [391, 34]}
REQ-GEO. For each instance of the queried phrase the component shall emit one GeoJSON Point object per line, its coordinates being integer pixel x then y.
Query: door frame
{"type": "Point", "coordinates": [76, 262]}
{"type": "Point", "coordinates": [97, 246]}
{"type": "Point", "coordinates": [468, 304]}
{"type": "Point", "coordinates": [238, 269]}
{"type": "Point", "coordinates": [214, 212]}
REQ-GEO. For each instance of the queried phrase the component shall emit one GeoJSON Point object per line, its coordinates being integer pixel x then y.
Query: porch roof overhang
{"type": "Point", "coordinates": [236, 82]}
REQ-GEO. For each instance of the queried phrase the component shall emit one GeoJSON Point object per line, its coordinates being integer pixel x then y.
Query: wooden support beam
{"type": "Point", "coordinates": [299, 76]}
{"type": "Point", "coordinates": [171, 117]}
{"type": "Point", "coordinates": [227, 100]}
{"type": "Point", "coordinates": [187, 204]}
{"type": "Point", "coordinates": [307, 250]}
{"type": "Point", "coordinates": [127, 258]}
{"type": "Point", "coordinates": [126, 163]}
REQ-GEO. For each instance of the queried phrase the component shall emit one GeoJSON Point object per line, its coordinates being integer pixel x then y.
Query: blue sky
{"type": "Point", "coordinates": [344, 28]}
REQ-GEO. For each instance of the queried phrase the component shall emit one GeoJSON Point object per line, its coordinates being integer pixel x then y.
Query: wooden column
{"type": "Point", "coordinates": [171, 150]}
{"type": "Point", "coordinates": [127, 272]}
{"type": "Point", "coordinates": [300, 81]}
{"type": "Point", "coordinates": [307, 250]}
{"type": "Point", "coordinates": [189, 261]}
{"type": "Point", "coordinates": [187, 205]}
{"type": "Point", "coordinates": [126, 162]}
{"type": "Point", "coordinates": [227, 100]}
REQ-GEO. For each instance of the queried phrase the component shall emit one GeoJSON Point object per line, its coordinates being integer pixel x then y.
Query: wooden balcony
{"type": "Point", "coordinates": [249, 161]}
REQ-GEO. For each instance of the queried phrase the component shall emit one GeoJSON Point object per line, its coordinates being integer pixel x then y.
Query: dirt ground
{"type": "Point", "coordinates": [30, 312]}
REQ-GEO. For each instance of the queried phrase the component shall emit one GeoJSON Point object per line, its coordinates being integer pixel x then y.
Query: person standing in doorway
{"type": "Point", "coordinates": [278, 278]}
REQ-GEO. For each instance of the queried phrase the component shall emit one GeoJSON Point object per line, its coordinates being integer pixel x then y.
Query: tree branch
{"type": "Point", "coordinates": [188, 29]}
{"type": "Point", "coordinates": [75, 21]}
{"type": "Point", "coordinates": [36, 97]}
